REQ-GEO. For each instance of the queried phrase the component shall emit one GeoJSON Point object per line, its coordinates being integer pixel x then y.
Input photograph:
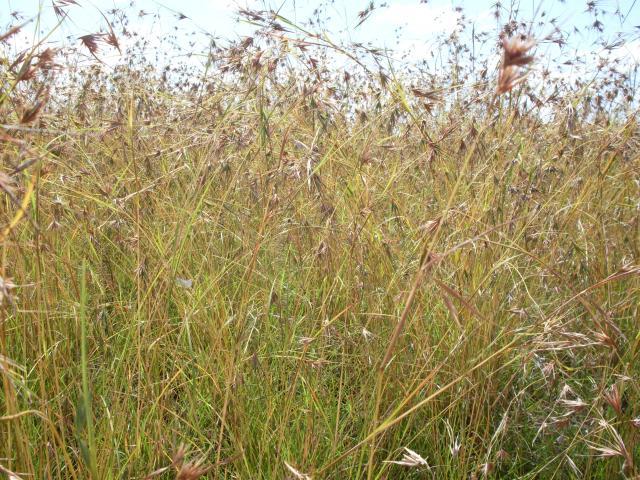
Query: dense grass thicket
{"type": "Point", "coordinates": [270, 268]}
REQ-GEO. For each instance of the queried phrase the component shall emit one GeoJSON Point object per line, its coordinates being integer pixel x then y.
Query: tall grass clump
{"type": "Point", "coordinates": [270, 265]}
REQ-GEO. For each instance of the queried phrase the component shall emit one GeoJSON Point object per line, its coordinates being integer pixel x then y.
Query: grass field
{"type": "Point", "coordinates": [279, 271]}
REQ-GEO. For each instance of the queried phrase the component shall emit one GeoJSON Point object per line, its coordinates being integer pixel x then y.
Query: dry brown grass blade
{"type": "Point", "coordinates": [157, 473]}
{"type": "Point", "coordinates": [427, 262]}
{"type": "Point", "coordinates": [387, 424]}
{"type": "Point", "coordinates": [600, 317]}
{"type": "Point", "coordinates": [450, 291]}
{"type": "Point", "coordinates": [24, 165]}
{"type": "Point", "coordinates": [31, 114]}
{"type": "Point", "coordinates": [452, 310]}
{"type": "Point", "coordinates": [10, 474]}
{"type": "Point", "coordinates": [21, 211]}
{"type": "Point", "coordinates": [8, 138]}
{"type": "Point", "coordinates": [7, 186]}
{"type": "Point", "coordinates": [297, 473]}
{"type": "Point", "coordinates": [11, 32]}
{"type": "Point", "coordinates": [623, 272]}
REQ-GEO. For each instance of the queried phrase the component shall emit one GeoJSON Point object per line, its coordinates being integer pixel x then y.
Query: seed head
{"type": "Point", "coordinates": [515, 55]}
{"type": "Point", "coordinates": [613, 398]}
{"type": "Point", "coordinates": [410, 459]}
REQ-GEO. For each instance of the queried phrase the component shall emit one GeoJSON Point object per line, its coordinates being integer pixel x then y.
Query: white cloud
{"type": "Point", "coordinates": [418, 19]}
{"type": "Point", "coordinates": [414, 23]}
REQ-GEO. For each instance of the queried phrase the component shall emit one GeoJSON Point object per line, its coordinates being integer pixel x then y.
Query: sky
{"type": "Point", "coordinates": [418, 22]}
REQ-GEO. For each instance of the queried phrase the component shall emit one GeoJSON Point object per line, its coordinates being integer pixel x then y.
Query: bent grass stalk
{"type": "Point", "coordinates": [86, 397]}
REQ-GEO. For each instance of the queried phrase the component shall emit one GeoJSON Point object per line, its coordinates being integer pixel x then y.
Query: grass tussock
{"type": "Point", "coordinates": [281, 269]}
